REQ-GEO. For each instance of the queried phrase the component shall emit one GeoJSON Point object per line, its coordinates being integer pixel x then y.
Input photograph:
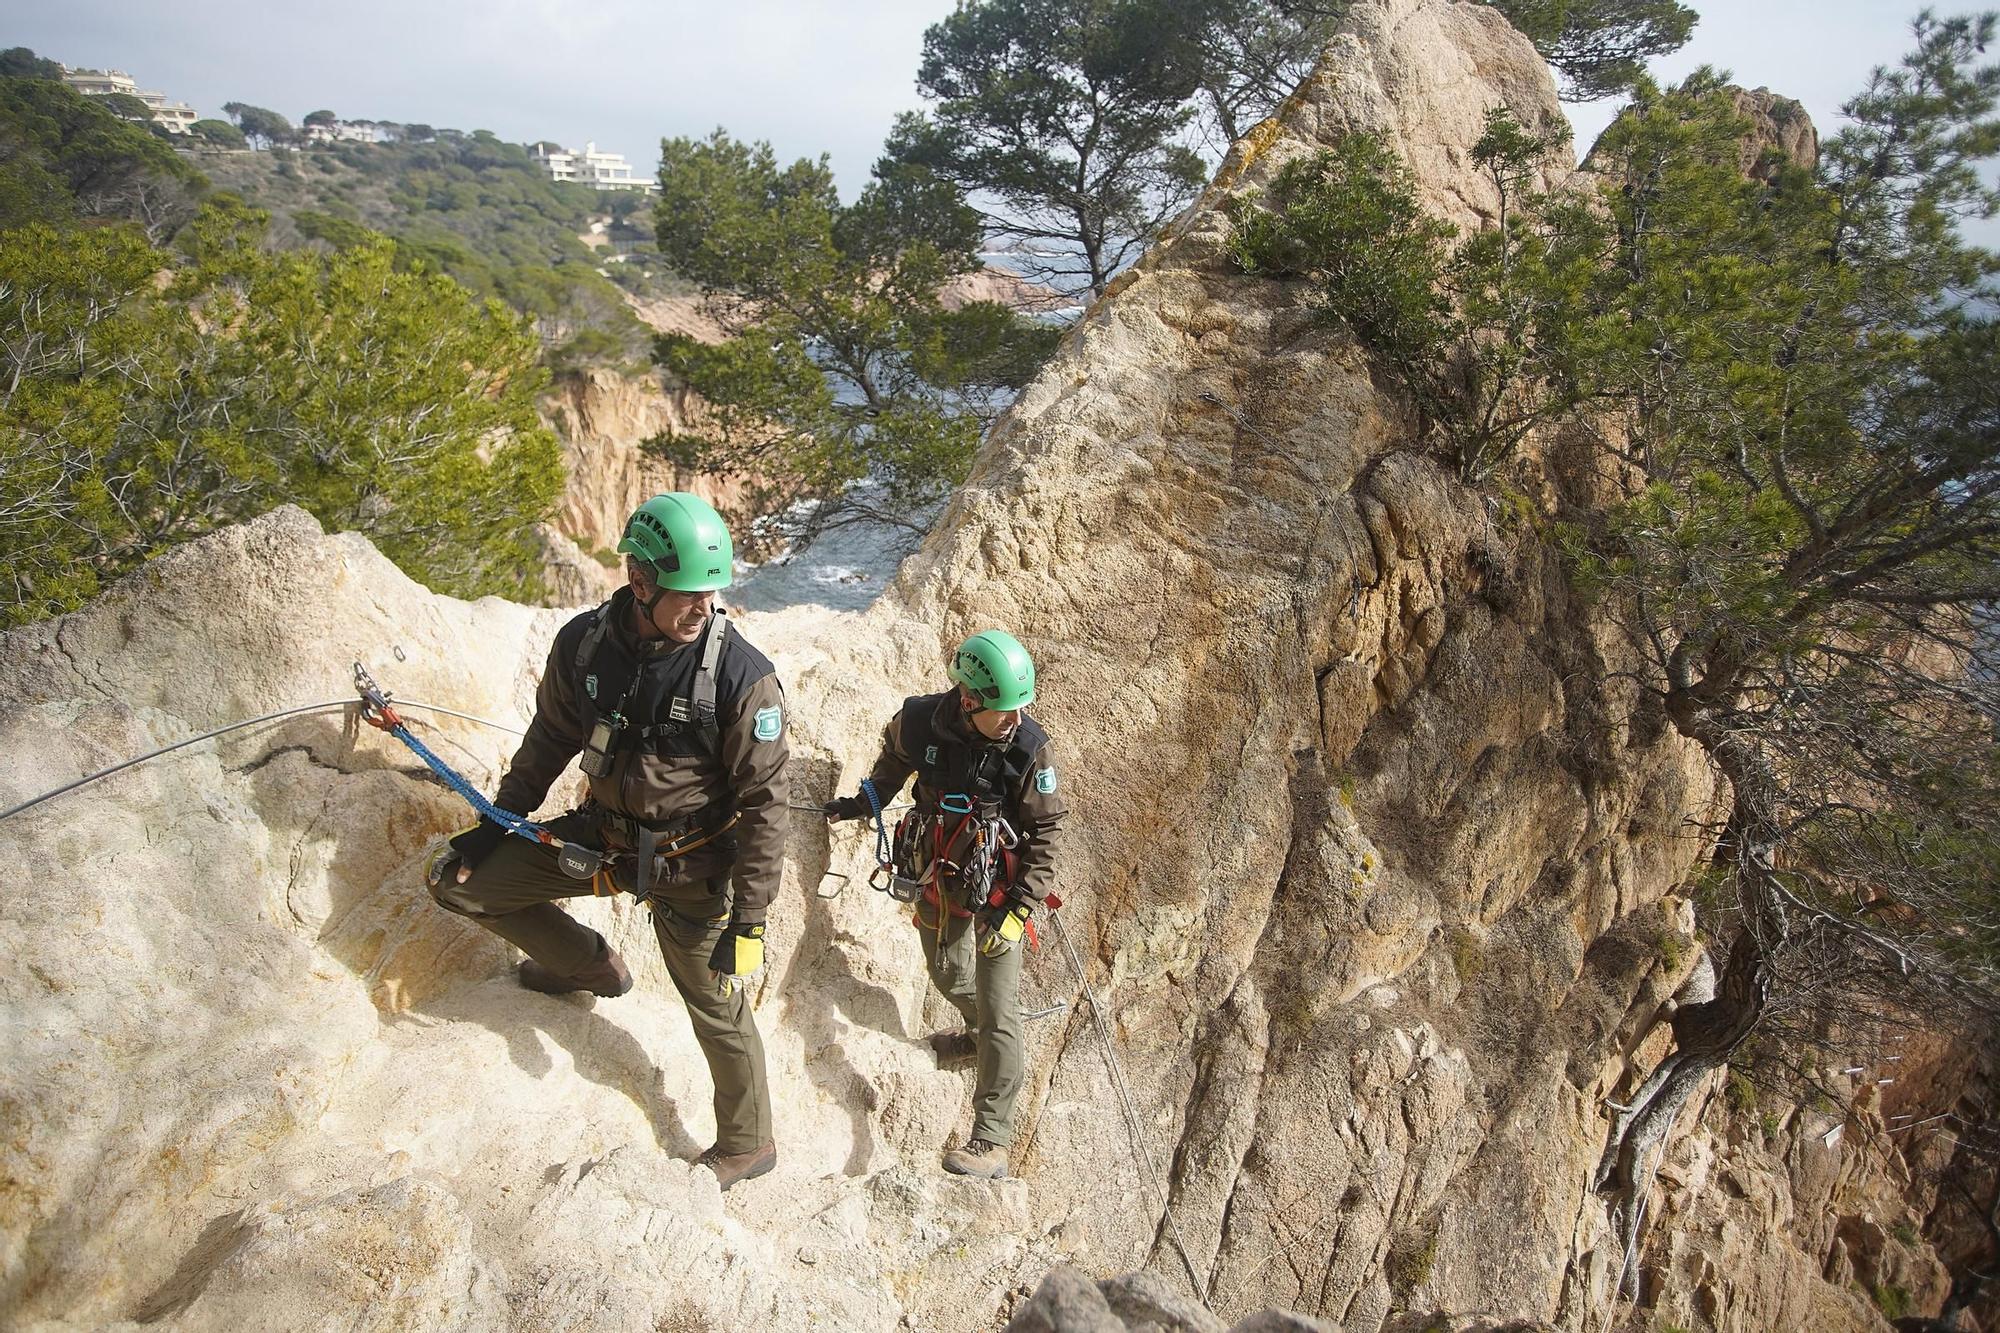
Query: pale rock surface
{"type": "Point", "coordinates": [1373, 865]}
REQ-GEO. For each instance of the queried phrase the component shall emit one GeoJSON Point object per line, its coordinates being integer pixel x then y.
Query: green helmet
{"type": "Point", "coordinates": [684, 540]}
{"type": "Point", "coordinates": [997, 669]}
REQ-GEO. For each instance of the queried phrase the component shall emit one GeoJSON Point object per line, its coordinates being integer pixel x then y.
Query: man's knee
{"type": "Point", "coordinates": [499, 876]}
{"type": "Point", "coordinates": [453, 896]}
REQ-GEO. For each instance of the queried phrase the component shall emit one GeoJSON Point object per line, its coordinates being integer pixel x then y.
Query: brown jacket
{"type": "Point", "coordinates": [671, 783]}
{"type": "Point", "coordinates": [1022, 769]}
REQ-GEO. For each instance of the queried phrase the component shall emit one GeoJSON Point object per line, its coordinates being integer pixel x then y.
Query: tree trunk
{"type": "Point", "coordinates": [1706, 1034]}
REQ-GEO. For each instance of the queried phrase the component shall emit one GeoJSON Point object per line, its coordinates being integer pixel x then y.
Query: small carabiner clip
{"type": "Point", "coordinates": [958, 803]}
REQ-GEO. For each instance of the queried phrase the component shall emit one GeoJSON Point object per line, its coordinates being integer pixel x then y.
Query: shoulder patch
{"type": "Point", "coordinates": [1045, 780]}
{"type": "Point", "coordinates": [770, 723]}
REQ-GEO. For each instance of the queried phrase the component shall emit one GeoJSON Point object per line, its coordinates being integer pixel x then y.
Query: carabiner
{"type": "Point", "coordinates": [964, 806]}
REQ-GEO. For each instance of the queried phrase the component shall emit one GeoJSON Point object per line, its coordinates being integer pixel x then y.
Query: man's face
{"type": "Point", "coordinates": [995, 724]}
{"type": "Point", "coordinates": [677, 616]}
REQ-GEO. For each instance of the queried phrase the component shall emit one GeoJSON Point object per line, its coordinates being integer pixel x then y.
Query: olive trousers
{"type": "Point", "coordinates": [987, 992]}
{"type": "Point", "coordinates": [513, 893]}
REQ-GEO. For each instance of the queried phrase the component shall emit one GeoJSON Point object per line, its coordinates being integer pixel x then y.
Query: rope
{"type": "Point", "coordinates": [329, 706]}
{"type": "Point", "coordinates": [1131, 1111]}
{"type": "Point", "coordinates": [882, 857]}
{"type": "Point", "coordinates": [519, 825]}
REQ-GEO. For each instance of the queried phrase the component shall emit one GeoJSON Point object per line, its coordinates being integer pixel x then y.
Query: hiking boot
{"type": "Point", "coordinates": [977, 1158]}
{"type": "Point", "coordinates": [954, 1045]}
{"type": "Point", "coordinates": [607, 976]}
{"type": "Point", "coordinates": [730, 1167]}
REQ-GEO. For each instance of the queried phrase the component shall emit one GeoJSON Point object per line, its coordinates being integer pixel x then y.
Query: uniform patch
{"type": "Point", "coordinates": [590, 685]}
{"type": "Point", "coordinates": [770, 723]}
{"type": "Point", "coordinates": [930, 754]}
{"type": "Point", "coordinates": [1045, 781]}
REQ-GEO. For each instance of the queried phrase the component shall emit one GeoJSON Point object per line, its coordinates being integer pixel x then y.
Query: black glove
{"type": "Point", "coordinates": [1000, 928]}
{"type": "Point", "coordinates": [739, 950]}
{"type": "Point", "coordinates": [477, 843]}
{"type": "Point", "coordinates": [847, 807]}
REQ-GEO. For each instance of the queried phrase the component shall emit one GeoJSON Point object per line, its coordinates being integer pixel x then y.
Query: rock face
{"type": "Point", "coordinates": [603, 418]}
{"type": "Point", "coordinates": [1374, 867]}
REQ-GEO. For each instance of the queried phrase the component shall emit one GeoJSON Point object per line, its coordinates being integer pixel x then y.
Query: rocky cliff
{"type": "Point", "coordinates": [604, 418]}
{"type": "Point", "coordinates": [1376, 867]}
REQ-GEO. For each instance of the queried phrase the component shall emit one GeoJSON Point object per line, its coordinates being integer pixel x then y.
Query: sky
{"type": "Point", "coordinates": [811, 76]}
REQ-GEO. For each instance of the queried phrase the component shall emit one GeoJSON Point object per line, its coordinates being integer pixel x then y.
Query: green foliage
{"type": "Point", "coordinates": [1062, 118]}
{"type": "Point", "coordinates": [1906, 1233]}
{"type": "Point", "coordinates": [320, 118]}
{"type": "Point", "coordinates": [1347, 219]}
{"type": "Point", "coordinates": [261, 125]}
{"type": "Point", "coordinates": [1411, 1261]}
{"type": "Point", "coordinates": [1740, 1092]}
{"type": "Point", "coordinates": [843, 365]}
{"type": "Point", "coordinates": [385, 402]}
{"type": "Point", "coordinates": [1253, 54]}
{"type": "Point", "coordinates": [218, 134]}
{"type": "Point", "coordinates": [64, 156]}
{"type": "Point", "coordinates": [1485, 337]}
{"type": "Point", "coordinates": [478, 210]}
{"type": "Point", "coordinates": [1672, 948]}
{"type": "Point", "coordinates": [1893, 1301]}
{"type": "Point", "coordinates": [1601, 46]}
{"type": "Point", "coordinates": [125, 106]}
{"type": "Point", "coordinates": [18, 62]}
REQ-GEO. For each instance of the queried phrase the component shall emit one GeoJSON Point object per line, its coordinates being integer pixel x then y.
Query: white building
{"type": "Point", "coordinates": [173, 117]}
{"type": "Point", "coordinates": [604, 171]}
{"type": "Point", "coordinates": [344, 132]}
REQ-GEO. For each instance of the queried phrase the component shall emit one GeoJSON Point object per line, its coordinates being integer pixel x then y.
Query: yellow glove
{"type": "Point", "coordinates": [1004, 933]}
{"type": "Point", "coordinates": [739, 950]}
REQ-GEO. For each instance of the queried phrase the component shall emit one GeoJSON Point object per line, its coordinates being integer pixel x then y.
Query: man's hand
{"type": "Point", "coordinates": [738, 953]}
{"type": "Point", "coordinates": [1001, 927]}
{"type": "Point", "coordinates": [463, 853]}
{"type": "Point", "coordinates": [847, 807]}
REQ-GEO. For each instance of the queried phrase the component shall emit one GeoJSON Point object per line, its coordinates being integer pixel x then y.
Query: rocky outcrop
{"type": "Point", "coordinates": [604, 419]}
{"type": "Point", "coordinates": [1375, 869]}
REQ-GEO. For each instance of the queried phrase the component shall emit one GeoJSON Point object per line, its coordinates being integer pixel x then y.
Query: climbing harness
{"type": "Point", "coordinates": [1125, 1097]}
{"type": "Point", "coordinates": [650, 707]}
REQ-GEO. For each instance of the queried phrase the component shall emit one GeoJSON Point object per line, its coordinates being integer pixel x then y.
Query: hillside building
{"type": "Point", "coordinates": [173, 117]}
{"type": "Point", "coordinates": [603, 171]}
{"type": "Point", "coordinates": [347, 131]}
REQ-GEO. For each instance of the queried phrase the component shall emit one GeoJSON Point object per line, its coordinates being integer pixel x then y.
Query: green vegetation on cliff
{"type": "Point", "coordinates": [476, 209]}
{"type": "Point", "coordinates": [1764, 389]}
{"type": "Point", "coordinates": [65, 158]}
{"type": "Point", "coordinates": [157, 390]}
{"type": "Point", "coordinates": [843, 362]}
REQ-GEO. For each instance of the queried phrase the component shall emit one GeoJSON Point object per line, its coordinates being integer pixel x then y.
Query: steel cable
{"type": "Point", "coordinates": [239, 726]}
